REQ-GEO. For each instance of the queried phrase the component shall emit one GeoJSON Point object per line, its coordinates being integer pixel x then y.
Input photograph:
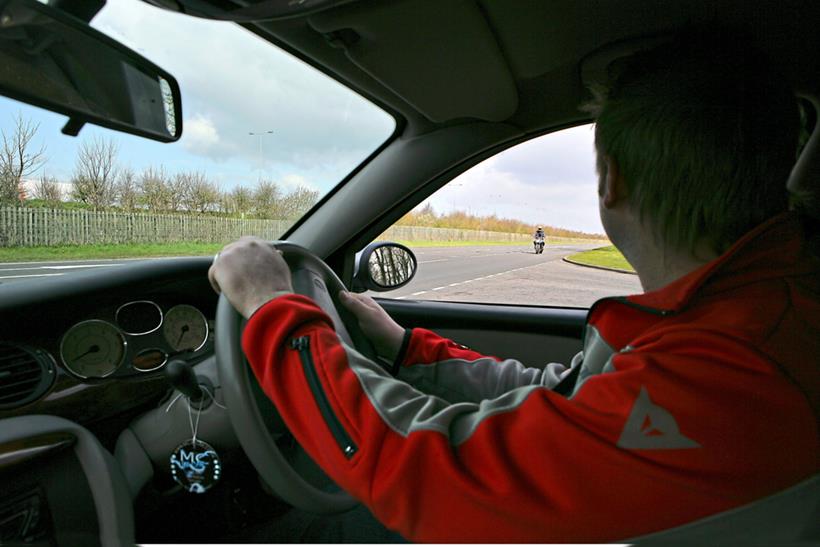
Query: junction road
{"type": "Point", "coordinates": [511, 275]}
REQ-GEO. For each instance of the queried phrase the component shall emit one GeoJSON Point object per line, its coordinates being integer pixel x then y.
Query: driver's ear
{"type": "Point", "coordinates": [611, 184]}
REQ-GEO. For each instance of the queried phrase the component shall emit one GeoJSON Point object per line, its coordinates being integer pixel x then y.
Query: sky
{"type": "Point", "coordinates": [233, 83]}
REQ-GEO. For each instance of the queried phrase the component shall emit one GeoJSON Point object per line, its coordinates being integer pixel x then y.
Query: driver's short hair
{"type": "Point", "coordinates": [704, 132]}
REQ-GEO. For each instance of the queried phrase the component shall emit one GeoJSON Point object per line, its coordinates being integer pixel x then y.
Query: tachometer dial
{"type": "Point", "coordinates": [185, 328]}
{"type": "Point", "coordinates": [93, 349]}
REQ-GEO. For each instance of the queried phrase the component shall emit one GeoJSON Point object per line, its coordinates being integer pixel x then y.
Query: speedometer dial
{"type": "Point", "coordinates": [93, 349]}
{"type": "Point", "coordinates": [185, 328]}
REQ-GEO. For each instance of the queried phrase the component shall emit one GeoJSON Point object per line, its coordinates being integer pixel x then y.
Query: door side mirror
{"type": "Point", "coordinates": [383, 266]}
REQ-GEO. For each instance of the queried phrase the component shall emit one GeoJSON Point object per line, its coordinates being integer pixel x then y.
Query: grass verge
{"type": "Point", "coordinates": [91, 252]}
{"type": "Point", "coordinates": [604, 257]}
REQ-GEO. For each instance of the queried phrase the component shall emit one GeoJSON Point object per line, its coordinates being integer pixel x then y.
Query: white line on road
{"type": "Point", "coordinates": [454, 284]}
{"type": "Point", "coordinates": [79, 266]}
{"type": "Point", "coordinates": [437, 288]}
{"type": "Point", "coordinates": [19, 269]}
{"type": "Point", "coordinates": [418, 293]}
{"type": "Point", "coordinates": [436, 260]}
{"type": "Point", "coordinates": [72, 267]}
{"type": "Point", "coordinates": [30, 275]}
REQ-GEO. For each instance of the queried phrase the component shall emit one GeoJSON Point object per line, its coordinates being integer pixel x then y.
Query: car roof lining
{"type": "Point", "coordinates": [463, 74]}
{"type": "Point", "coordinates": [426, 61]}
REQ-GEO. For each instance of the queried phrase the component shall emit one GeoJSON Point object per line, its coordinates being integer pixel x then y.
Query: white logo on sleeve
{"type": "Point", "coordinates": [652, 427]}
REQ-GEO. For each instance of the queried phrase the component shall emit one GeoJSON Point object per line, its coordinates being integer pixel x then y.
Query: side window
{"type": "Point", "coordinates": [475, 238]}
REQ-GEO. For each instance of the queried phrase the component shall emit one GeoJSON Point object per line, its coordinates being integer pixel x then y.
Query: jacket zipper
{"type": "Point", "coordinates": [346, 445]}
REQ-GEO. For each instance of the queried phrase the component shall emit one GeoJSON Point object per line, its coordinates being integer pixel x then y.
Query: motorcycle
{"type": "Point", "coordinates": [538, 243]}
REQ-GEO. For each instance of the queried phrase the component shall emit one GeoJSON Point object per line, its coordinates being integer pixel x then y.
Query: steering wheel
{"type": "Point", "coordinates": [282, 465]}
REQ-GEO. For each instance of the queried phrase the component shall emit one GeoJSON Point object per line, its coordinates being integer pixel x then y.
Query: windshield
{"type": "Point", "coordinates": [265, 136]}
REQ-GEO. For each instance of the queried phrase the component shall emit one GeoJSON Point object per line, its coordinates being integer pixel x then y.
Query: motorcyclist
{"type": "Point", "coordinates": [538, 240]}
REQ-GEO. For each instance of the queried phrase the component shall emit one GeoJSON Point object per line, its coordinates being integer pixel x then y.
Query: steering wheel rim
{"type": "Point", "coordinates": [311, 277]}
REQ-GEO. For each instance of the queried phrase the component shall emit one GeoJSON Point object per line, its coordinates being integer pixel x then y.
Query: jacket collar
{"type": "Point", "coordinates": [773, 249]}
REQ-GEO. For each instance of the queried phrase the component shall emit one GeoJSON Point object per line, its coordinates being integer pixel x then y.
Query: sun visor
{"type": "Point", "coordinates": [443, 60]}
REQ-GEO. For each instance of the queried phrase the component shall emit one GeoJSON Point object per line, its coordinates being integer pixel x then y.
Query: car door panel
{"type": "Point", "coordinates": [533, 335]}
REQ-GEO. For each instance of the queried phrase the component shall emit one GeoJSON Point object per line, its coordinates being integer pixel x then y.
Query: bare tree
{"type": "Point", "coordinates": [266, 196]}
{"type": "Point", "coordinates": [48, 189]}
{"type": "Point", "coordinates": [95, 173]}
{"type": "Point", "coordinates": [177, 190]}
{"type": "Point", "coordinates": [224, 203]}
{"type": "Point", "coordinates": [126, 190]}
{"type": "Point", "coordinates": [18, 159]}
{"type": "Point", "coordinates": [297, 202]}
{"type": "Point", "coordinates": [240, 201]}
{"type": "Point", "coordinates": [153, 189]}
{"type": "Point", "coordinates": [201, 195]}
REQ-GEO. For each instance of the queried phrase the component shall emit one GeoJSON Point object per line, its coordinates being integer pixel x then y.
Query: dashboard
{"type": "Point", "coordinates": [142, 337]}
{"type": "Point", "coordinates": [102, 340]}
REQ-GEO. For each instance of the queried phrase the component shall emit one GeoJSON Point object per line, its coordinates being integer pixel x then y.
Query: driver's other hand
{"type": "Point", "coordinates": [249, 272]}
{"type": "Point", "coordinates": [379, 327]}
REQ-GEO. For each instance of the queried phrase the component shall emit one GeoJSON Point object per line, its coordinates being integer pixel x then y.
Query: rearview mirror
{"type": "Point", "coordinates": [383, 267]}
{"type": "Point", "coordinates": [53, 60]}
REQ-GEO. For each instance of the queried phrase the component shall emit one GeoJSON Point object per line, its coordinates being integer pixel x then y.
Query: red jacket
{"type": "Point", "coordinates": [686, 401]}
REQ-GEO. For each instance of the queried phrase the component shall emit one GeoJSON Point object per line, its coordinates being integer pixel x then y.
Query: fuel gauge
{"type": "Point", "coordinates": [185, 328]}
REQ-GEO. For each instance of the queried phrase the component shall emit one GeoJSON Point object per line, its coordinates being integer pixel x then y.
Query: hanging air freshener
{"type": "Point", "coordinates": [195, 464]}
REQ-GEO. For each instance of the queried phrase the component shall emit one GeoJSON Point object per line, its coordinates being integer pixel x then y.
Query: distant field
{"type": "Point", "coordinates": [605, 257]}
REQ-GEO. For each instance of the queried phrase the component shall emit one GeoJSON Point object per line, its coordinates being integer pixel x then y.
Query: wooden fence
{"type": "Point", "coordinates": [29, 227]}
{"type": "Point", "coordinates": [34, 227]}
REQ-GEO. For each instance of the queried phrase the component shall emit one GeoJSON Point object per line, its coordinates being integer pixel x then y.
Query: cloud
{"type": "Point", "coordinates": [247, 85]}
{"type": "Point", "coordinates": [293, 181]}
{"type": "Point", "coordinates": [201, 137]}
{"type": "Point", "coordinates": [549, 180]}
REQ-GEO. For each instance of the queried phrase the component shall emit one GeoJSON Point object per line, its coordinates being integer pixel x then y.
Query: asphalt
{"type": "Point", "coordinates": [511, 275]}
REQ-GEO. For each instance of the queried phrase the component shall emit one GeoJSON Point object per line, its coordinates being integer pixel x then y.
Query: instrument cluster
{"type": "Point", "coordinates": [141, 338]}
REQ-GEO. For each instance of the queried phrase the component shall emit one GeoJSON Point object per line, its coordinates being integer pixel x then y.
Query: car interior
{"type": "Point", "coordinates": [84, 452]}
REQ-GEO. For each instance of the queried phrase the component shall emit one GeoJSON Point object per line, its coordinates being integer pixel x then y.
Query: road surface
{"type": "Point", "coordinates": [511, 275]}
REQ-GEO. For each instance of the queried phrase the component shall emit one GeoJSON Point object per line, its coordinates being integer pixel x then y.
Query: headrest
{"type": "Point", "coordinates": [804, 180]}
{"type": "Point", "coordinates": [595, 66]}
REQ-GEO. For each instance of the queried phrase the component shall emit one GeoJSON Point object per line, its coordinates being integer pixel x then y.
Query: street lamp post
{"type": "Point", "coordinates": [259, 135]}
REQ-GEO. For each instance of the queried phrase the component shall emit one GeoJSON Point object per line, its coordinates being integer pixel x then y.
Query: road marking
{"type": "Point", "coordinates": [437, 288]}
{"type": "Point", "coordinates": [436, 260]}
{"type": "Point", "coordinates": [30, 275]}
{"type": "Point", "coordinates": [19, 269]}
{"type": "Point", "coordinates": [72, 267]}
{"type": "Point", "coordinates": [79, 266]}
{"type": "Point", "coordinates": [454, 284]}
{"type": "Point", "coordinates": [400, 297]}
{"type": "Point", "coordinates": [418, 293]}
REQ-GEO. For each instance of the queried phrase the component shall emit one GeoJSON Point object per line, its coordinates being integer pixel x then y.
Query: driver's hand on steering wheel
{"type": "Point", "coordinates": [249, 272]}
{"type": "Point", "coordinates": [385, 334]}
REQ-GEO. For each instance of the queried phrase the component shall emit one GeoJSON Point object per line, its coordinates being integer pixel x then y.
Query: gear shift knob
{"type": "Point", "coordinates": [182, 377]}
